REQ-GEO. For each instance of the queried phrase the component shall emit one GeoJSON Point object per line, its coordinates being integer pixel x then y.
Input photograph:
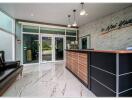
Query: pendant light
{"type": "Point", "coordinates": [69, 24]}
{"type": "Point", "coordinates": [83, 11]}
{"type": "Point", "coordinates": [74, 15]}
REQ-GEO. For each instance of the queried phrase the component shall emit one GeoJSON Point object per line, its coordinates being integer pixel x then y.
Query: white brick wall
{"type": "Point", "coordinates": [118, 39]}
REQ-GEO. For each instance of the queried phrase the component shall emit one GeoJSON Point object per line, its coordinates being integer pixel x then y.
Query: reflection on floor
{"type": "Point", "coordinates": [47, 80]}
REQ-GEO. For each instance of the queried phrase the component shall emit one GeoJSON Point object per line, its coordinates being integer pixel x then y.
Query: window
{"type": "Point", "coordinates": [31, 29]}
{"type": "Point", "coordinates": [71, 32]}
{"type": "Point", "coordinates": [6, 22]}
{"type": "Point", "coordinates": [69, 41]}
{"type": "Point", "coordinates": [52, 30]}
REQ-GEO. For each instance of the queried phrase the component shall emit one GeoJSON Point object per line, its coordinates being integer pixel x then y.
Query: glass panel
{"type": "Point", "coordinates": [30, 48]}
{"type": "Point", "coordinates": [71, 32]}
{"type": "Point", "coordinates": [6, 22]}
{"type": "Point", "coordinates": [69, 41]}
{"type": "Point", "coordinates": [33, 29]}
{"type": "Point", "coordinates": [84, 43]}
{"type": "Point", "coordinates": [52, 31]}
{"type": "Point", "coordinates": [6, 44]}
{"type": "Point", "coordinates": [46, 48]}
{"type": "Point", "coordinates": [59, 48]}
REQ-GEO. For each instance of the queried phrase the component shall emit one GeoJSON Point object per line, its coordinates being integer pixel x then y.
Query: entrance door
{"type": "Point", "coordinates": [46, 48]}
{"type": "Point", "coordinates": [52, 48]}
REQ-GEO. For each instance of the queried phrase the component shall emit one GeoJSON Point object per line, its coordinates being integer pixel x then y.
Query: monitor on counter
{"type": "Point", "coordinates": [129, 48]}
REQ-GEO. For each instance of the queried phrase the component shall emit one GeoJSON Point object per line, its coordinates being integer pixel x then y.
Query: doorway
{"type": "Point", "coordinates": [52, 48]}
{"type": "Point", "coordinates": [46, 48]}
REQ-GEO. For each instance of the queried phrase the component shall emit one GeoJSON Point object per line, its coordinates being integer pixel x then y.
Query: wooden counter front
{"type": "Point", "coordinates": [77, 63]}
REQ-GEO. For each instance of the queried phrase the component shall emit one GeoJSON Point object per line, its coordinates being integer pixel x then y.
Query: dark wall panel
{"type": "Point", "coordinates": [126, 94]}
{"type": "Point", "coordinates": [105, 78]}
{"type": "Point", "coordinates": [106, 61]}
{"type": "Point", "coordinates": [125, 63]}
{"type": "Point", "coordinates": [100, 90]}
{"type": "Point", "coordinates": [125, 82]}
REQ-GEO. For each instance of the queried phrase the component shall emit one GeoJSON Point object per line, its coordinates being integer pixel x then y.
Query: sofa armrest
{"type": "Point", "coordinates": [12, 64]}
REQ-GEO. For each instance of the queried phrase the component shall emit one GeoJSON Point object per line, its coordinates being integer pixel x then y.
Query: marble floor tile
{"type": "Point", "coordinates": [47, 80]}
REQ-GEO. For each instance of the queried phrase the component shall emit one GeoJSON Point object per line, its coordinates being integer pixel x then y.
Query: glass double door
{"type": "Point", "coordinates": [52, 48]}
{"type": "Point", "coordinates": [42, 48]}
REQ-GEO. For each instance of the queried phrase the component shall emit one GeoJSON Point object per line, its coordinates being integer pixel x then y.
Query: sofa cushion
{"type": "Point", "coordinates": [6, 73]}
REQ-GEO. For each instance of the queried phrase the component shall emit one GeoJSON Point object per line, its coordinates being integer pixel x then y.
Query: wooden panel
{"type": "Point", "coordinates": [67, 59]}
{"type": "Point", "coordinates": [82, 64]}
{"type": "Point", "coordinates": [77, 63]}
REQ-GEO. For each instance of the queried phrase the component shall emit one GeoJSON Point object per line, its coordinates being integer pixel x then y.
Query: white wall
{"type": "Point", "coordinates": [7, 44]}
{"type": "Point", "coordinates": [118, 39]}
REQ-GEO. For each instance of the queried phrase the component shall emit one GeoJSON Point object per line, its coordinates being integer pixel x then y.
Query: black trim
{"type": "Point", "coordinates": [78, 78]}
{"type": "Point", "coordinates": [88, 68]}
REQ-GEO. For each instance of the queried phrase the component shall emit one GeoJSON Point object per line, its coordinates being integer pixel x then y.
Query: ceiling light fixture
{"type": "Point", "coordinates": [83, 11]}
{"type": "Point", "coordinates": [69, 23]}
{"type": "Point", "coordinates": [74, 15]}
{"type": "Point", "coordinates": [31, 14]}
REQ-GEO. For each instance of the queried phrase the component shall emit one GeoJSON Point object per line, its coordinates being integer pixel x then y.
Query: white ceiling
{"type": "Point", "coordinates": [56, 13]}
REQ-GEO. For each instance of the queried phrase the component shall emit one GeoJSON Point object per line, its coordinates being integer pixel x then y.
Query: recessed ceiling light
{"type": "Point", "coordinates": [32, 15]}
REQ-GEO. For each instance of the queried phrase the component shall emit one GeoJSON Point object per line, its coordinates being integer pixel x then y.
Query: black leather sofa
{"type": "Point", "coordinates": [8, 72]}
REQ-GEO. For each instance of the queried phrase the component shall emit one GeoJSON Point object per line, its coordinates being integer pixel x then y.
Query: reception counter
{"type": "Point", "coordinates": [106, 73]}
{"type": "Point", "coordinates": [77, 63]}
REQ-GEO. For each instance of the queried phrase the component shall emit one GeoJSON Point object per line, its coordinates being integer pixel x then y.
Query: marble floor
{"type": "Point", "coordinates": [47, 80]}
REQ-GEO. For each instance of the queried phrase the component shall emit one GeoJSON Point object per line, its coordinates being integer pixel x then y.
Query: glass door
{"type": "Point", "coordinates": [59, 48]}
{"type": "Point", "coordinates": [47, 51]}
{"type": "Point", "coordinates": [30, 48]}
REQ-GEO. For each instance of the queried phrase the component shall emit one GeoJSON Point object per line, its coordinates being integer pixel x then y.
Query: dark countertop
{"type": "Point", "coordinates": [79, 50]}
{"type": "Point", "coordinates": [103, 51]}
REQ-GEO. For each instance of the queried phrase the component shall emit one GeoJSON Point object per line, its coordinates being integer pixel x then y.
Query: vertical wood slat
{"type": "Point", "coordinates": [82, 64]}
{"type": "Point", "coordinates": [77, 63]}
